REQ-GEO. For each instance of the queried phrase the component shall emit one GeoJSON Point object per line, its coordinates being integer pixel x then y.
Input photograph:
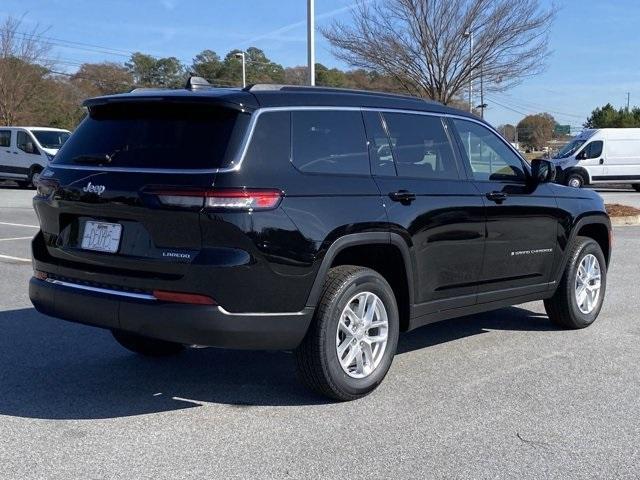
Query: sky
{"type": "Point", "coordinates": [595, 44]}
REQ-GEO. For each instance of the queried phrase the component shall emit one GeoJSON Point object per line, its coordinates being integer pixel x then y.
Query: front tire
{"type": "Point", "coordinates": [579, 297]}
{"type": "Point", "coordinates": [575, 180]}
{"type": "Point", "coordinates": [149, 347]}
{"type": "Point", "coordinates": [353, 338]}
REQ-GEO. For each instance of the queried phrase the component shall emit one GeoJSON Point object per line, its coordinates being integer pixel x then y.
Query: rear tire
{"type": "Point", "coordinates": [568, 308]}
{"type": "Point", "coordinates": [348, 351]}
{"type": "Point", "coordinates": [636, 187]}
{"type": "Point", "coordinates": [149, 347]}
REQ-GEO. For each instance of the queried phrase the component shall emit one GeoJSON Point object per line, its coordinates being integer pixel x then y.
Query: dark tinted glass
{"type": "Point", "coordinates": [271, 140]}
{"type": "Point", "coordinates": [5, 138]}
{"type": "Point", "coordinates": [380, 154]}
{"type": "Point", "coordinates": [420, 146]}
{"type": "Point", "coordinates": [329, 142]}
{"type": "Point", "coordinates": [594, 149]}
{"type": "Point", "coordinates": [488, 156]}
{"type": "Point", "coordinates": [158, 135]}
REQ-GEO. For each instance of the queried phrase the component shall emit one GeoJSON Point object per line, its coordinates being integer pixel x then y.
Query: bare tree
{"type": "Point", "coordinates": [23, 67]}
{"type": "Point", "coordinates": [425, 44]}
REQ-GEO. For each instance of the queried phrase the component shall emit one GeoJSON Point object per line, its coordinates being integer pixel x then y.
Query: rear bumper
{"type": "Point", "coordinates": [187, 324]}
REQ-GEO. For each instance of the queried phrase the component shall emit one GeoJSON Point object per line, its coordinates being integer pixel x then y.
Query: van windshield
{"type": "Point", "coordinates": [155, 135]}
{"type": "Point", "coordinates": [51, 138]}
{"type": "Point", "coordinates": [570, 149]}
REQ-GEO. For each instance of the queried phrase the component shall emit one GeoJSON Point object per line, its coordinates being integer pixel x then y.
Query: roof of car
{"type": "Point", "coordinates": [267, 95]}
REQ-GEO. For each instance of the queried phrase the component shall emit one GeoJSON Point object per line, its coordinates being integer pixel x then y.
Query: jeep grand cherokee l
{"type": "Point", "coordinates": [308, 219]}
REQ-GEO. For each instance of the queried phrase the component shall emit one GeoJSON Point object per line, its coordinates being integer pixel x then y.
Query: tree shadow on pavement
{"type": "Point", "coordinates": [51, 369]}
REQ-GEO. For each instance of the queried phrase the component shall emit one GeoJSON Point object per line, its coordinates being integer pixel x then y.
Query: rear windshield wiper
{"type": "Point", "coordinates": [93, 158]}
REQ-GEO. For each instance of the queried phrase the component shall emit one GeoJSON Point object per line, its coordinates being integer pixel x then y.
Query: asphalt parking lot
{"type": "Point", "coordinates": [497, 395]}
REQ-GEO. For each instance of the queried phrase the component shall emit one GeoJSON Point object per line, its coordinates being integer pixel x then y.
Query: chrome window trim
{"type": "Point", "coordinates": [244, 146]}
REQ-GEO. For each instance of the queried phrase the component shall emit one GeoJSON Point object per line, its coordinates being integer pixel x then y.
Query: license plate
{"type": "Point", "coordinates": [101, 236]}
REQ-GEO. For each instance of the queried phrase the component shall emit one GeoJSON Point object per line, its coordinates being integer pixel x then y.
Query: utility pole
{"type": "Point", "coordinates": [628, 101]}
{"type": "Point", "coordinates": [482, 104]}
{"type": "Point", "coordinates": [311, 40]}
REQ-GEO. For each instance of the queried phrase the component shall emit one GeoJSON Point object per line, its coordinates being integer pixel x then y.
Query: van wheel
{"type": "Point", "coordinates": [636, 187]}
{"type": "Point", "coordinates": [575, 180]}
{"type": "Point", "coordinates": [578, 299]}
{"type": "Point", "coordinates": [353, 337]}
{"type": "Point", "coordinates": [32, 179]}
{"type": "Point", "coordinates": [149, 347]}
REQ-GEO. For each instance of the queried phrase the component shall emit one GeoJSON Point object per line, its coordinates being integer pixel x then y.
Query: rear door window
{"type": "Point", "coordinates": [329, 141]}
{"type": "Point", "coordinates": [156, 135]}
{"type": "Point", "coordinates": [421, 147]}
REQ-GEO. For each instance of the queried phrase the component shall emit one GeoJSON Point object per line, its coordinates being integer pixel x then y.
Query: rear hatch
{"type": "Point", "coordinates": [112, 205]}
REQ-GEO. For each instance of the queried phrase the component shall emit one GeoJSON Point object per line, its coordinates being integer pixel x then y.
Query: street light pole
{"type": "Point", "coordinates": [244, 69]}
{"type": "Point", "coordinates": [311, 40]}
{"type": "Point", "coordinates": [470, 34]}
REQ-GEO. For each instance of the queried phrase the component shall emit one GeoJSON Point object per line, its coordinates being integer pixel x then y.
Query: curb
{"type": "Point", "coordinates": [630, 220]}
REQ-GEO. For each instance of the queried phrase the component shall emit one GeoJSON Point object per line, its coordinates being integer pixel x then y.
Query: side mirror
{"type": "Point", "coordinates": [542, 171]}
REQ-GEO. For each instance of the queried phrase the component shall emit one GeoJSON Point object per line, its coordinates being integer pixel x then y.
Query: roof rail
{"type": "Point", "coordinates": [258, 87]}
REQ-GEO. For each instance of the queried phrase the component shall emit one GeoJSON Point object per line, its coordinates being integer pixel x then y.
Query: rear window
{"type": "Point", "coordinates": [155, 135]}
{"type": "Point", "coordinates": [326, 141]}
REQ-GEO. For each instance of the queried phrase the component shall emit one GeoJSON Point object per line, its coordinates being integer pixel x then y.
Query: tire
{"type": "Point", "coordinates": [563, 308]}
{"type": "Point", "coordinates": [636, 187]}
{"type": "Point", "coordinates": [317, 358]}
{"type": "Point", "coordinates": [575, 180]}
{"type": "Point", "coordinates": [149, 347]}
{"type": "Point", "coordinates": [34, 174]}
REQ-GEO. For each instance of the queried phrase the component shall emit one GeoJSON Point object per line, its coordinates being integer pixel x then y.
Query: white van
{"type": "Point", "coordinates": [605, 155]}
{"type": "Point", "coordinates": [26, 151]}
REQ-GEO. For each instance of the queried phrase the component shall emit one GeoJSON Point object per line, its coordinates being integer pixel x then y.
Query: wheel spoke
{"type": "Point", "coordinates": [346, 343]}
{"type": "Point", "coordinates": [371, 309]}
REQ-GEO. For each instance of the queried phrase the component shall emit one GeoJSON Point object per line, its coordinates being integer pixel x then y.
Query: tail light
{"type": "Point", "coordinates": [222, 199]}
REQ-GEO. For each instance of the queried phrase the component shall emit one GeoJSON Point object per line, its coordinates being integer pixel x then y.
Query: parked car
{"type": "Point", "coordinates": [26, 151]}
{"type": "Point", "coordinates": [605, 155]}
{"type": "Point", "coordinates": [309, 219]}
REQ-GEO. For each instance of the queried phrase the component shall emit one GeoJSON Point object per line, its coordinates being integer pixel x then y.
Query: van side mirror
{"type": "Point", "coordinates": [542, 171]}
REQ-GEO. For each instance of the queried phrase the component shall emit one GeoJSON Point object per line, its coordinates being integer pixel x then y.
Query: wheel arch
{"type": "Point", "coordinates": [385, 252]}
{"type": "Point", "coordinates": [594, 226]}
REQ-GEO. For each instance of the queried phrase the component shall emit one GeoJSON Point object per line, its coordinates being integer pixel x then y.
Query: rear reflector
{"type": "Point", "coordinates": [177, 297]}
{"type": "Point", "coordinates": [231, 199]}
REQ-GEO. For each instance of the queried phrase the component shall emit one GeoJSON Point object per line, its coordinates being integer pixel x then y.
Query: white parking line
{"type": "Point", "coordinates": [15, 259]}
{"type": "Point", "coordinates": [15, 238]}
{"type": "Point", "coordinates": [18, 225]}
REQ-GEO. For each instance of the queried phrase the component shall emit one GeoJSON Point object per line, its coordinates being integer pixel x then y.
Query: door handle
{"type": "Point", "coordinates": [403, 196]}
{"type": "Point", "coordinates": [497, 197]}
{"type": "Point", "coordinates": [601, 161]}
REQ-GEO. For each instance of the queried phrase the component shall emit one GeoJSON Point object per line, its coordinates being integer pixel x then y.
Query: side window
{"type": "Point", "coordinates": [271, 141]}
{"type": "Point", "coordinates": [421, 147]}
{"type": "Point", "coordinates": [380, 153]}
{"type": "Point", "coordinates": [5, 138]}
{"type": "Point", "coordinates": [488, 156]}
{"type": "Point", "coordinates": [594, 149]}
{"type": "Point", "coordinates": [25, 143]}
{"type": "Point", "coordinates": [329, 141]}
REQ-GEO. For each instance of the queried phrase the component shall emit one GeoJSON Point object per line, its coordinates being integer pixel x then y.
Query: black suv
{"type": "Point", "coordinates": [318, 220]}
